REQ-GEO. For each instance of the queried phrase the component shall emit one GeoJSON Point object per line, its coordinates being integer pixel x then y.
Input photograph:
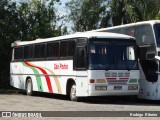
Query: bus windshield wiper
{"type": "Point", "coordinates": [127, 66]}
{"type": "Point", "coordinates": [101, 66]}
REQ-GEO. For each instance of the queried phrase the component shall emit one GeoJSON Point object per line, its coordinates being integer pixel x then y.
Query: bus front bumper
{"type": "Point", "coordinates": [113, 90]}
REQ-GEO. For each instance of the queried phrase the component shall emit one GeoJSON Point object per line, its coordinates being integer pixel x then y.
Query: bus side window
{"type": "Point", "coordinates": [81, 58]}
{"type": "Point", "coordinates": [56, 50]}
{"type": "Point", "coordinates": [50, 50]}
{"type": "Point", "coordinates": [37, 51]}
{"type": "Point", "coordinates": [18, 55]}
{"type": "Point", "coordinates": [64, 49]}
{"type": "Point", "coordinates": [71, 48]}
{"type": "Point", "coordinates": [26, 52]}
{"type": "Point", "coordinates": [40, 51]}
{"type": "Point", "coordinates": [53, 50]}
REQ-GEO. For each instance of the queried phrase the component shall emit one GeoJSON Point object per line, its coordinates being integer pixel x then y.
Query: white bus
{"type": "Point", "coordinates": [147, 36]}
{"type": "Point", "coordinates": [78, 65]}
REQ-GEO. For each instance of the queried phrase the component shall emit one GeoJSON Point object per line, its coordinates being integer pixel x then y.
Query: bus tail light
{"type": "Point", "coordinates": [91, 81]}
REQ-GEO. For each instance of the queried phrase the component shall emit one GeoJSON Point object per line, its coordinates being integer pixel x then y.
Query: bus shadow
{"type": "Point", "coordinates": [124, 100]}
{"type": "Point", "coordinates": [49, 95]}
{"type": "Point", "coordinates": [115, 100]}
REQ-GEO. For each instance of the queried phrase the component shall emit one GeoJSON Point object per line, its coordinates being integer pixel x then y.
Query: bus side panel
{"type": "Point", "coordinates": [147, 89]}
{"type": "Point", "coordinates": [151, 91]}
{"type": "Point", "coordinates": [66, 72]}
{"type": "Point", "coordinates": [16, 78]}
{"type": "Point", "coordinates": [142, 82]}
{"type": "Point", "coordinates": [82, 83]}
{"type": "Point", "coordinates": [60, 72]}
{"type": "Point", "coordinates": [158, 88]}
{"type": "Point", "coordinates": [37, 72]}
{"type": "Point", "coordinates": [28, 72]}
{"type": "Point", "coordinates": [53, 72]}
{"type": "Point", "coordinates": [158, 91]}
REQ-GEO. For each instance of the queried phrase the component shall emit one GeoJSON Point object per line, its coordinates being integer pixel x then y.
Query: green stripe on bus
{"type": "Point", "coordinates": [38, 78]}
{"type": "Point", "coordinates": [132, 80]}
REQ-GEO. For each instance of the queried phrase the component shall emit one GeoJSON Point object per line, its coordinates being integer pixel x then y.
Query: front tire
{"type": "Point", "coordinates": [29, 87]}
{"type": "Point", "coordinates": [72, 94]}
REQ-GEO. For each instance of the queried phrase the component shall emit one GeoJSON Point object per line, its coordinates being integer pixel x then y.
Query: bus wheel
{"type": "Point", "coordinates": [29, 87]}
{"type": "Point", "coordinates": [73, 96]}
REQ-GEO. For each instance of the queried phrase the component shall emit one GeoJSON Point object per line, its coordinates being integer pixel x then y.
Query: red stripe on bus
{"type": "Point", "coordinates": [47, 77]}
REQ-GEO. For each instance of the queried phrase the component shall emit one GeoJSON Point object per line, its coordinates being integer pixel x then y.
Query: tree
{"type": "Point", "coordinates": [8, 32]}
{"type": "Point", "coordinates": [128, 11]}
{"type": "Point", "coordinates": [89, 14]}
{"type": "Point", "coordinates": [157, 6]}
{"type": "Point", "coordinates": [38, 19]}
{"type": "Point", "coordinates": [86, 14]}
{"type": "Point", "coordinates": [23, 21]}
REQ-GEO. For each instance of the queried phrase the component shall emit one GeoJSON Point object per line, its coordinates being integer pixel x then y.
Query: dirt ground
{"type": "Point", "coordinates": [93, 108]}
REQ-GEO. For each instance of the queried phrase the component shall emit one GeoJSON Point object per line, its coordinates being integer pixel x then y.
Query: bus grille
{"type": "Point", "coordinates": [117, 82]}
{"type": "Point", "coordinates": [117, 77]}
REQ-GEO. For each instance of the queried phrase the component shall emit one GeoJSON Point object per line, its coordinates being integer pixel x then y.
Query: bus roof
{"type": "Point", "coordinates": [152, 22]}
{"type": "Point", "coordinates": [89, 34]}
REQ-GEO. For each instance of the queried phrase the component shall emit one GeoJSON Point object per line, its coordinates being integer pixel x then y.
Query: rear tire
{"type": "Point", "coordinates": [29, 87]}
{"type": "Point", "coordinates": [72, 93]}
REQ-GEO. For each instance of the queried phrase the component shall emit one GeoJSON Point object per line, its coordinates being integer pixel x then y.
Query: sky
{"type": "Point", "coordinates": [62, 11]}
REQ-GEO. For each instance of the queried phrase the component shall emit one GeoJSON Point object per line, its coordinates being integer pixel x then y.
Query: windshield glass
{"type": "Point", "coordinates": [112, 54]}
{"type": "Point", "coordinates": [157, 33]}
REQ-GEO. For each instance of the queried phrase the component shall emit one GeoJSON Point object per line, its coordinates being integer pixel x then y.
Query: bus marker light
{"type": "Point", "coordinates": [100, 81]}
{"type": "Point", "coordinates": [91, 81]}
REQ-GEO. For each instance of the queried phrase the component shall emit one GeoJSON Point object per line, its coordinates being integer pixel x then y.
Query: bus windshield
{"type": "Point", "coordinates": [112, 55]}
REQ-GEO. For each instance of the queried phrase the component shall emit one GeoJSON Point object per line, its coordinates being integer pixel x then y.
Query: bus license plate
{"type": "Point", "coordinates": [117, 87]}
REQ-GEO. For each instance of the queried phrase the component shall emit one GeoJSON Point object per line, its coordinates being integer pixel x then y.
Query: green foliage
{"type": "Point", "coordinates": [86, 14]}
{"type": "Point", "coordinates": [157, 8]}
{"type": "Point", "coordinates": [128, 11]}
{"type": "Point", "coordinates": [93, 14]}
{"type": "Point", "coordinates": [37, 20]}
{"type": "Point", "coordinates": [8, 31]}
{"type": "Point", "coordinates": [25, 21]}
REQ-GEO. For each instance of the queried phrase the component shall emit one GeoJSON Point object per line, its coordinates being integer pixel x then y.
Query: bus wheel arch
{"type": "Point", "coordinates": [29, 86]}
{"type": "Point", "coordinates": [71, 90]}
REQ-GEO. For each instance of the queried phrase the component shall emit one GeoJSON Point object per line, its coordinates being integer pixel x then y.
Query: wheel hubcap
{"type": "Point", "coordinates": [29, 87]}
{"type": "Point", "coordinates": [73, 92]}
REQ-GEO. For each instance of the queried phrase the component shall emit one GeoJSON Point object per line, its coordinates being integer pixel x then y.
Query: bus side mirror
{"type": "Point", "coordinates": [157, 57]}
{"type": "Point", "coordinates": [145, 41]}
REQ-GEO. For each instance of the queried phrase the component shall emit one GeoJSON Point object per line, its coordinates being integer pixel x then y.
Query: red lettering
{"type": "Point", "coordinates": [56, 67]}
{"type": "Point", "coordinates": [61, 66]}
